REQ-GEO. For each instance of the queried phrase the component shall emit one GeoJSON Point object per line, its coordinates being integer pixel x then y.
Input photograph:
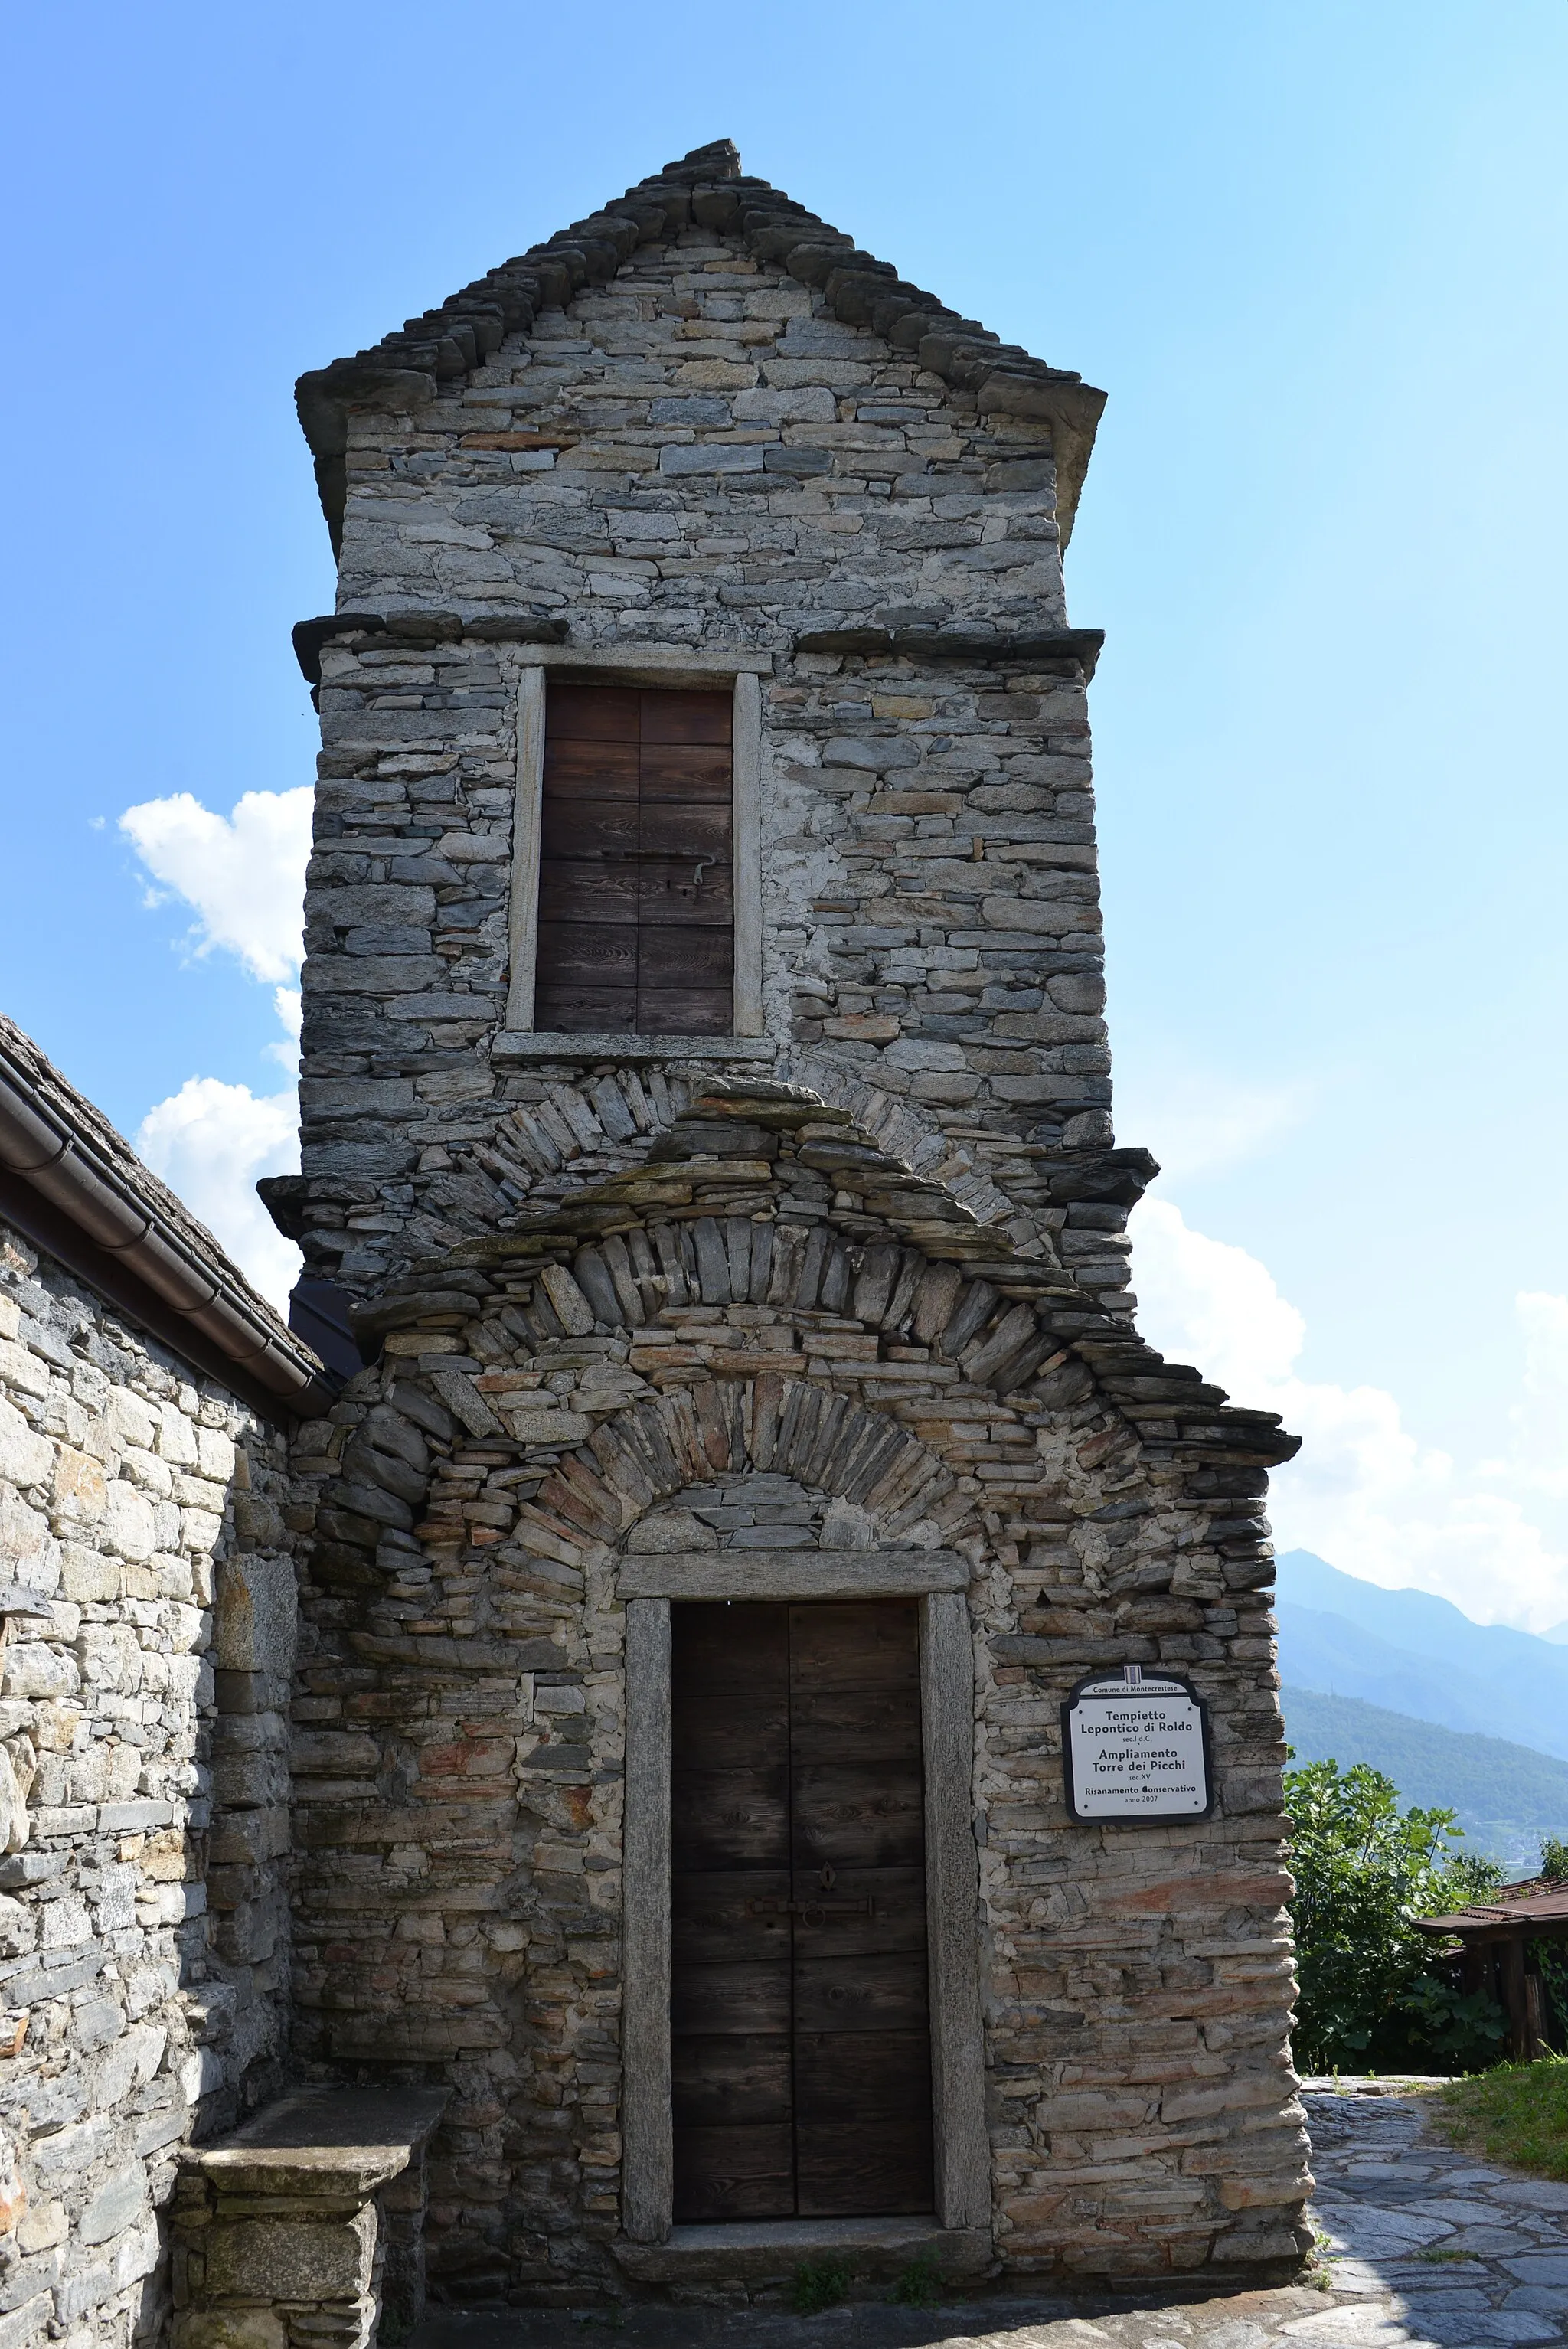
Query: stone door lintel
{"type": "Point", "coordinates": [790, 1573]}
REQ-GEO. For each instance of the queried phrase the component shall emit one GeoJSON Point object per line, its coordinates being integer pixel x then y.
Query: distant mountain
{"type": "Point", "coordinates": [1419, 1656]}
{"type": "Point", "coordinates": [1558, 1635]}
{"type": "Point", "coordinates": [1507, 1797]}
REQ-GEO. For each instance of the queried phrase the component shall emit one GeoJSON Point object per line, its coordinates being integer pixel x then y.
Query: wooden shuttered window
{"type": "Point", "coordinates": [636, 885]}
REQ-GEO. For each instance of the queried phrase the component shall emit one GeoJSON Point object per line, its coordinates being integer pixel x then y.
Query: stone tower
{"type": "Point", "coordinates": [706, 1123]}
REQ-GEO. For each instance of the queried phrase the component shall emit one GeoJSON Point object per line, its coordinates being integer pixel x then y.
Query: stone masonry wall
{"type": "Point", "coordinates": [699, 454]}
{"type": "Point", "coordinates": [143, 1794]}
{"type": "Point", "coordinates": [749, 1351]}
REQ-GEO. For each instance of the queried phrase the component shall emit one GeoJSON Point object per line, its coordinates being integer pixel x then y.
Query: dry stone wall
{"type": "Point", "coordinates": [143, 1793]}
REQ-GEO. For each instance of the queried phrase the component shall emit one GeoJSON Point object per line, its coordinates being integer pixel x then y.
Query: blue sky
{"type": "Point", "coordinates": [1315, 256]}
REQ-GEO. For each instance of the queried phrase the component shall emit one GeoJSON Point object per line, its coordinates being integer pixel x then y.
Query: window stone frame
{"type": "Point", "coordinates": [645, 666]}
{"type": "Point", "coordinates": [962, 2147]}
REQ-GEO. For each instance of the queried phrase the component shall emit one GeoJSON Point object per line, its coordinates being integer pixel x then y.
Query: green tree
{"type": "Point", "coordinates": [1555, 1859]}
{"type": "Point", "coordinates": [1375, 1994]}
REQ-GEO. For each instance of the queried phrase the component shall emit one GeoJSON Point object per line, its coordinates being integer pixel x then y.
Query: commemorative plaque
{"type": "Point", "coordinates": [1135, 1745]}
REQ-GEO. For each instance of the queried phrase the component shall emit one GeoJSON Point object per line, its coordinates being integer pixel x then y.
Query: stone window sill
{"type": "Point", "coordinates": [517, 1044]}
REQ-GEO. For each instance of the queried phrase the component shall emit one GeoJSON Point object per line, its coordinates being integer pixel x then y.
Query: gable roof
{"type": "Point", "coordinates": [705, 189]}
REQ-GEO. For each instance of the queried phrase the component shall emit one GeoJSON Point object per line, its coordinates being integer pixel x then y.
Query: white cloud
{"type": "Point", "coordinates": [210, 1142]}
{"type": "Point", "coordinates": [289, 1006]}
{"type": "Point", "coordinates": [1538, 1455]}
{"type": "Point", "coordinates": [242, 874]}
{"type": "Point", "coordinates": [1218, 1302]}
{"type": "Point", "coordinates": [1365, 1492]}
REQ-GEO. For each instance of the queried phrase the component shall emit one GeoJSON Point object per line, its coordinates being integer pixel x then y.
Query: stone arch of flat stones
{"type": "Point", "coordinates": [763, 1425]}
{"type": "Point", "coordinates": [614, 1119]}
{"type": "Point", "coordinates": [763, 1210]}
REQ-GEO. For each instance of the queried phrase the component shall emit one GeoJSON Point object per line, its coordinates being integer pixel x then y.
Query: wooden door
{"type": "Point", "coordinates": [800, 2038]}
{"type": "Point", "coordinates": [636, 899]}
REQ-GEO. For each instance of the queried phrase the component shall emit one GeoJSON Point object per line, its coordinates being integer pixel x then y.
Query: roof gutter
{"type": "Point", "coordinates": [68, 1196]}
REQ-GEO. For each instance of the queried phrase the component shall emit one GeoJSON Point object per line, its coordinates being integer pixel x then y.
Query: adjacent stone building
{"type": "Point", "coordinates": [706, 1121]}
{"type": "Point", "coordinates": [147, 1633]}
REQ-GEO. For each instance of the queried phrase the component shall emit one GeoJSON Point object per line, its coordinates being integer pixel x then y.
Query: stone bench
{"type": "Point", "coordinates": [304, 2229]}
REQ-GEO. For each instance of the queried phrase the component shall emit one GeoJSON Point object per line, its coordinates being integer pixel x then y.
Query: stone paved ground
{"type": "Point", "coordinates": [1423, 2246]}
{"type": "Point", "coordinates": [1426, 2244]}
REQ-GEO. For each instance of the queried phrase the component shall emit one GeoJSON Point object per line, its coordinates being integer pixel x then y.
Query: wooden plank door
{"type": "Point", "coordinates": [730, 2040]}
{"type": "Point", "coordinates": [862, 2036]}
{"type": "Point", "coordinates": [801, 2039]}
{"type": "Point", "coordinates": [636, 896]}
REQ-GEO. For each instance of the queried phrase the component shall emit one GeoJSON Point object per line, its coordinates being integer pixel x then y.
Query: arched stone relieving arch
{"type": "Point", "coordinates": [760, 1193]}
{"type": "Point", "coordinates": [612, 1121]}
{"type": "Point", "coordinates": [616, 1116]}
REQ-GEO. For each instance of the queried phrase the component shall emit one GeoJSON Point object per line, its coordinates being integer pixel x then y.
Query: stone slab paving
{"type": "Point", "coordinates": [1422, 2248]}
{"type": "Point", "coordinates": [1424, 2243]}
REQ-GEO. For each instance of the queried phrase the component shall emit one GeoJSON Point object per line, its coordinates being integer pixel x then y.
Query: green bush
{"type": "Point", "coordinates": [1375, 1994]}
{"type": "Point", "coordinates": [1550, 1959]}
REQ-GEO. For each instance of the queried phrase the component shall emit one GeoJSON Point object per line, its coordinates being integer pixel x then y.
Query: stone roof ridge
{"type": "Point", "coordinates": [704, 189]}
{"type": "Point", "coordinates": [719, 160]}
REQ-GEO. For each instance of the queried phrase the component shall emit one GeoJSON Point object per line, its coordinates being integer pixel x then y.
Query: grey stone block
{"type": "Point", "coordinates": [24, 2324]}
{"type": "Point", "coordinates": [710, 457]}
{"type": "Point", "coordinates": [255, 1623]}
{"type": "Point", "coordinates": [302, 2257]}
{"type": "Point", "coordinates": [117, 2205]}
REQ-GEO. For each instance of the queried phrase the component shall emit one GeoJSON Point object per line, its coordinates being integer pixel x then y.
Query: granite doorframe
{"type": "Point", "coordinates": [963, 2160]}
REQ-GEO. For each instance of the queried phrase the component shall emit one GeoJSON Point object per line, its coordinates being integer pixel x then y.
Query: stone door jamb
{"type": "Point", "coordinates": [963, 2162]}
